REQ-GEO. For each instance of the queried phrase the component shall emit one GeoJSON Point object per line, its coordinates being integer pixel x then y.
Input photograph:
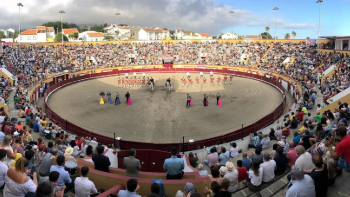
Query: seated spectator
{"type": "Point", "coordinates": [83, 186]}
{"type": "Point", "coordinates": [30, 157]}
{"type": "Point", "coordinates": [285, 130]}
{"type": "Point", "coordinates": [281, 161]}
{"type": "Point", "coordinates": [131, 189]}
{"type": "Point", "coordinates": [232, 175]}
{"type": "Point", "coordinates": [234, 150]}
{"type": "Point", "coordinates": [174, 166]}
{"type": "Point", "coordinates": [292, 155]}
{"type": "Point", "coordinates": [215, 175]}
{"type": "Point", "coordinates": [242, 171]}
{"type": "Point", "coordinates": [212, 158]}
{"type": "Point", "coordinates": [225, 185]}
{"type": "Point", "coordinates": [193, 158]}
{"type": "Point", "coordinates": [320, 175]}
{"type": "Point", "coordinates": [340, 159]}
{"type": "Point", "coordinates": [296, 138]}
{"type": "Point", "coordinates": [45, 189]}
{"type": "Point", "coordinates": [304, 160]}
{"type": "Point", "coordinates": [255, 139]}
{"type": "Point", "coordinates": [294, 123]}
{"type": "Point", "coordinates": [303, 185]}
{"type": "Point", "coordinates": [101, 162]}
{"type": "Point", "coordinates": [17, 183]}
{"type": "Point", "coordinates": [155, 190]}
{"type": "Point", "coordinates": [202, 172]}
{"type": "Point", "coordinates": [3, 167]}
{"type": "Point", "coordinates": [255, 177]}
{"type": "Point", "coordinates": [305, 140]}
{"type": "Point", "coordinates": [47, 163]}
{"type": "Point", "coordinates": [36, 126]}
{"type": "Point", "coordinates": [11, 152]}
{"type": "Point", "coordinates": [268, 168]}
{"type": "Point", "coordinates": [246, 161]}
{"type": "Point", "coordinates": [265, 142]}
{"type": "Point", "coordinates": [64, 178]}
{"type": "Point", "coordinates": [278, 133]}
{"type": "Point", "coordinates": [89, 151]}
{"type": "Point", "coordinates": [258, 156]}
{"type": "Point", "coordinates": [214, 189]}
{"type": "Point", "coordinates": [132, 165]}
{"type": "Point", "coordinates": [224, 156]}
{"type": "Point", "coordinates": [272, 134]}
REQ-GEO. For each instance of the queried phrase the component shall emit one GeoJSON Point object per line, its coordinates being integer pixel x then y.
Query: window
{"type": "Point", "coordinates": [28, 37]}
{"type": "Point", "coordinates": [34, 38]}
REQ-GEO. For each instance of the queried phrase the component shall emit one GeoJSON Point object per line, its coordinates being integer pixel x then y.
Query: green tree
{"type": "Point", "coordinates": [265, 35]}
{"type": "Point", "coordinates": [74, 35]}
{"type": "Point", "coordinates": [58, 37]}
{"type": "Point", "coordinates": [108, 37]}
{"type": "Point", "coordinates": [2, 35]}
{"type": "Point", "coordinates": [287, 36]}
{"type": "Point", "coordinates": [308, 37]}
{"type": "Point", "coordinates": [220, 36]}
{"type": "Point", "coordinates": [294, 34]}
{"type": "Point", "coordinates": [57, 25]}
{"type": "Point", "coordinates": [267, 29]}
{"type": "Point", "coordinates": [116, 33]}
{"type": "Point", "coordinates": [172, 37]}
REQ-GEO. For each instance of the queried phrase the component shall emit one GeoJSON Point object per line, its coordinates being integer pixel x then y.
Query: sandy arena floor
{"type": "Point", "coordinates": [161, 117]}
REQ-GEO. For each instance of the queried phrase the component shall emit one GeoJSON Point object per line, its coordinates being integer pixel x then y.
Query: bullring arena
{"type": "Point", "coordinates": [161, 117]}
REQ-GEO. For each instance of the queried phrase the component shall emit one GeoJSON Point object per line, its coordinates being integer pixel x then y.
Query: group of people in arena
{"type": "Point", "coordinates": [315, 154]}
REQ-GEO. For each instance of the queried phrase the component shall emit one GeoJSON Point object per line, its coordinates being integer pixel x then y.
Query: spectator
{"type": "Point", "coordinates": [155, 190]}
{"type": "Point", "coordinates": [30, 157]}
{"type": "Point", "coordinates": [189, 187]}
{"type": "Point", "coordinates": [89, 151]}
{"type": "Point", "coordinates": [132, 164]}
{"type": "Point", "coordinates": [341, 157]}
{"type": "Point", "coordinates": [17, 183]}
{"type": "Point", "coordinates": [246, 161]}
{"type": "Point", "coordinates": [296, 138]}
{"type": "Point", "coordinates": [174, 166]}
{"type": "Point", "coordinates": [318, 116]}
{"type": "Point", "coordinates": [11, 152]}
{"type": "Point", "coordinates": [258, 156]}
{"type": "Point", "coordinates": [215, 175]}
{"type": "Point", "coordinates": [3, 167]}
{"type": "Point", "coordinates": [303, 185]}
{"type": "Point", "coordinates": [255, 175]}
{"type": "Point", "coordinates": [304, 160]}
{"type": "Point", "coordinates": [36, 126]}
{"type": "Point", "coordinates": [278, 134]}
{"type": "Point", "coordinates": [64, 178]}
{"type": "Point", "coordinates": [131, 189]}
{"type": "Point", "coordinates": [83, 186]}
{"type": "Point", "coordinates": [281, 161]}
{"type": "Point", "coordinates": [268, 168]}
{"type": "Point", "coordinates": [232, 175]}
{"type": "Point", "coordinates": [242, 171]}
{"type": "Point", "coordinates": [193, 158]}
{"type": "Point", "coordinates": [272, 134]}
{"type": "Point", "coordinates": [224, 156]}
{"type": "Point", "coordinates": [294, 123]}
{"type": "Point", "coordinates": [45, 189]}
{"type": "Point", "coordinates": [255, 139]}
{"type": "Point", "coordinates": [202, 172]}
{"type": "Point", "coordinates": [304, 141]}
{"type": "Point", "coordinates": [47, 163]}
{"type": "Point", "coordinates": [214, 189]}
{"type": "Point", "coordinates": [265, 142]}
{"type": "Point", "coordinates": [292, 155]}
{"type": "Point", "coordinates": [101, 162]}
{"type": "Point", "coordinates": [300, 115]}
{"type": "Point", "coordinates": [39, 155]}
{"type": "Point", "coordinates": [212, 158]}
{"type": "Point", "coordinates": [225, 185]}
{"type": "Point", "coordinates": [320, 175]}
{"type": "Point", "coordinates": [234, 150]}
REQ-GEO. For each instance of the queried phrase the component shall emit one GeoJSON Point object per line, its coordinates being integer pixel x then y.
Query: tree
{"type": "Point", "coordinates": [171, 32]}
{"type": "Point", "coordinates": [58, 37]}
{"type": "Point", "coordinates": [108, 37]}
{"type": "Point", "coordinates": [116, 33]}
{"type": "Point", "coordinates": [2, 35]}
{"type": "Point", "coordinates": [287, 36]}
{"type": "Point", "coordinates": [308, 37]}
{"type": "Point", "coordinates": [294, 34]}
{"type": "Point", "coordinates": [220, 36]}
{"type": "Point", "coordinates": [267, 28]}
{"type": "Point", "coordinates": [74, 35]}
{"type": "Point", "coordinates": [265, 35]}
{"type": "Point", "coordinates": [172, 37]}
{"type": "Point", "coordinates": [57, 25]}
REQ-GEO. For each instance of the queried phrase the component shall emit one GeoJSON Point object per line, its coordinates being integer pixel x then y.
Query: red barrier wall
{"type": "Point", "coordinates": [123, 144]}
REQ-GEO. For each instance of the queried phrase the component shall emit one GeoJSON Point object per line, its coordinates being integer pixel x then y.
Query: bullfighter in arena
{"type": "Point", "coordinates": [117, 100]}
{"type": "Point", "coordinates": [189, 100]}
{"type": "Point", "coordinates": [231, 76]}
{"type": "Point", "coordinates": [119, 81]}
{"type": "Point", "coordinates": [109, 96]}
{"type": "Point", "coordinates": [197, 81]}
{"type": "Point", "coordinates": [127, 96]}
{"type": "Point", "coordinates": [218, 100]}
{"type": "Point", "coordinates": [225, 79]}
{"type": "Point", "coordinates": [102, 94]}
{"type": "Point", "coordinates": [205, 100]}
{"type": "Point", "coordinates": [204, 81]}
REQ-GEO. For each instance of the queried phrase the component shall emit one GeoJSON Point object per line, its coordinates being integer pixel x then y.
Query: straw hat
{"type": "Point", "coordinates": [69, 151]}
{"type": "Point", "coordinates": [230, 166]}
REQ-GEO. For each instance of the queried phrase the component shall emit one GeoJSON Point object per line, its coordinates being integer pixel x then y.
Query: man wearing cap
{"type": "Point", "coordinates": [173, 166]}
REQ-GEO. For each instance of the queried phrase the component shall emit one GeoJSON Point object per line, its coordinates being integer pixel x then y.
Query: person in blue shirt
{"type": "Point", "coordinates": [246, 161]}
{"type": "Point", "coordinates": [174, 166]}
{"type": "Point", "coordinates": [296, 138]}
{"type": "Point", "coordinates": [28, 117]}
{"type": "Point", "coordinates": [131, 189]}
{"type": "Point", "coordinates": [36, 126]}
{"type": "Point", "coordinates": [29, 155]}
{"type": "Point", "coordinates": [2, 136]}
{"type": "Point", "coordinates": [64, 178]}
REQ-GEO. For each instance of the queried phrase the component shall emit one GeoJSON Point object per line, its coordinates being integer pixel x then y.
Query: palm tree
{"type": "Point", "coordinates": [287, 36]}
{"type": "Point", "coordinates": [294, 34]}
{"type": "Point", "coordinates": [267, 28]}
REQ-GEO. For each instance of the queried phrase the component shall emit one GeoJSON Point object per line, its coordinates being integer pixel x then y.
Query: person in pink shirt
{"type": "Point", "coordinates": [292, 154]}
{"type": "Point", "coordinates": [212, 158]}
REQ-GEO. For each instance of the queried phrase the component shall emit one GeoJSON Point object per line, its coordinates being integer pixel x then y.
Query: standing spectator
{"type": "Point", "coordinates": [64, 178]}
{"type": "Point", "coordinates": [234, 150]}
{"type": "Point", "coordinates": [174, 166]}
{"type": "Point", "coordinates": [83, 186]}
{"type": "Point", "coordinates": [319, 175]}
{"type": "Point", "coordinates": [47, 163]}
{"type": "Point", "coordinates": [193, 158]}
{"type": "Point", "coordinates": [268, 168]}
{"type": "Point", "coordinates": [242, 171]}
{"type": "Point", "coordinates": [255, 175]}
{"type": "Point", "coordinates": [281, 161]}
{"type": "Point", "coordinates": [131, 189]}
{"type": "Point", "coordinates": [3, 167]}
{"type": "Point", "coordinates": [132, 164]}
{"type": "Point", "coordinates": [246, 161]}
{"type": "Point", "coordinates": [212, 158]}
{"type": "Point", "coordinates": [304, 160]}
{"type": "Point", "coordinates": [292, 155]}
{"type": "Point", "coordinates": [232, 175]}
{"type": "Point", "coordinates": [303, 185]}
{"type": "Point", "coordinates": [224, 156]}
{"type": "Point", "coordinates": [101, 162]}
{"type": "Point", "coordinates": [202, 172]}
{"type": "Point", "coordinates": [265, 142]}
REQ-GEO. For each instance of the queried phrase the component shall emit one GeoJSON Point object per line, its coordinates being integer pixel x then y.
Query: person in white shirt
{"type": "Point", "coordinates": [305, 159]}
{"type": "Point", "coordinates": [3, 167]}
{"type": "Point", "coordinates": [134, 75]}
{"type": "Point", "coordinates": [188, 75]}
{"type": "Point", "coordinates": [234, 150]}
{"type": "Point", "coordinates": [126, 75]}
{"type": "Point", "coordinates": [201, 74]}
{"type": "Point", "coordinates": [83, 186]}
{"type": "Point", "coordinates": [268, 167]}
{"type": "Point", "coordinates": [143, 75]}
{"type": "Point", "coordinates": [211, 73]}
{"type": "Point", "coordinates": [265, 142]}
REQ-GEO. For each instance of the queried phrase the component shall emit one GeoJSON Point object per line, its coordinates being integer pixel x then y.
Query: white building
{"type": "Point", "coordinates": [91, 36]}
{"type": "Point", "coordinates": [229, 35]}
{"type": "Point", "coordinates": [124, 31]}
{"type": "Point", "coordinates": [66, 32]}
{"type": "Point", "coordinates": [156, 33]}
{"type": "Point", "coordinates": [40, 34]}
{"type": "Point", "coordinates": [7, 32]}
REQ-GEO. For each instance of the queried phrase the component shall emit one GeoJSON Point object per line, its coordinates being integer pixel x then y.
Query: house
{"type": "Point", "coordinates": [124, 32]}
{"type": "Point", "coordinates": [7, 32]}
{"type": "Point", "coordinates": [185, 35]}
{"type": "Point", "coordinates": [110, 29]}
{"type": "Point", "coordinates": [229, 35]}
{"type": "Point", "coordinates": [91, 36]}
{"type": "Point", "coordinates": [66, 32]}
{"type": "Point", "coordinates": [252, 37]}
{"type": "Point", "coordinates": [156, 33]}
{"type": "Point", "coordinates": [40, 34]}
{"type": "Point", "coordinates": [204, 36]}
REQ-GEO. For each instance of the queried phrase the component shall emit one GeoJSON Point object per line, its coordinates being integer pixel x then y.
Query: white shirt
{"type": "Point", "coordinates": [201, 73]}
{"type": "Point", "coordinates": [211, 72]}
{"type": "Point", "coordinates": [268, 170]}
{"type": "Point", "coordinates": [126, 74]}
{"type": "Point", "coordinates": [234, 152]}
{"type": "Point", "coordinates": [143, 74]}
{"type": "Point", "coordinates": [256, 180]}
{"type": "Point", "coordinates": [187, 73]}
{"type": "Point", "coordinates": [305, 161]}
{"type": "Point", "coordinates": [302, 188]}
{"type": "Point", "coordinates": [84, 187]}
{"type": "Point", "coordinates": [134, 74]}
{"type": "Point", "coordinates": [3, 173]}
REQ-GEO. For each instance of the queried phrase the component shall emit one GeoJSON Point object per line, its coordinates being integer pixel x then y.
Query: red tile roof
{"type": "Point", "coordinates": [70, 31]}
{"type": "Point", "coordinates": [29, 32]}
{"type": "Point", "coordinates": [40, 28]}
{"type": "Point", "coordinates": [50, 28]}
{"type": "Point", "coordinates": [204, 34]}
{"type": "Point", "coordinates": [95, 34]}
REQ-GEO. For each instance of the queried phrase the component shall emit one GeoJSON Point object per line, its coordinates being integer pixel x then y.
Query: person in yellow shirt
{"type": "Point", "coordinates": [304, 110]}
{"type": "Point", "coordinates": [44, 122]}
{"type": "Point", "coordinates": [292, 116]}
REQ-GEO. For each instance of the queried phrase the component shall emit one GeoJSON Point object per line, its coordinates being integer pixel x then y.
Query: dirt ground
{"type": "Point", "coordinates": [161, 117]}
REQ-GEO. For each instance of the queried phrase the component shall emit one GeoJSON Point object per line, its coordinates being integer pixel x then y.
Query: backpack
{"type": "Point", "coordinates": [160, 183]}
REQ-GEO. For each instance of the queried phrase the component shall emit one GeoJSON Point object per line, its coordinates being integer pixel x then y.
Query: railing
{"type": "Point", "coordinates": [124, 144]}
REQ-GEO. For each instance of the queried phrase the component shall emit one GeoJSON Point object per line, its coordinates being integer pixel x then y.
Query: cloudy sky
{"type": "Point", "coordinates": [210, 16]}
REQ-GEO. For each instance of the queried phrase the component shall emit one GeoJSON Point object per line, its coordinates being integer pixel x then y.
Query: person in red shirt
{"type": "Point", "coordinates": [212, 80]}
{"type": "Point", "coordinates": [123, 82]}
{"type": "Point", "coordinates": [219, 80]}
{"type": "Point", "coordinates": [78, 142]}
{"type": "Point", "coordinates": [300, 115]}
{"type": "Point", "coordinates": [190, 82]}
{"type": "Point", "coordinates": [242, 171]}
{"type": "Point", "coordinates": [225, 79]}
{"type": "Point", "coordinates": [119, 82]}
{"type": "Point", "coordinates": [197, 81]}
{"type": "Point", "coordinates": [183, 81]}
{"type": "Point", "coordinates": [340, 159]}
{"type": "Point", "coordinates": [231, 76]}
{"type": "Point", "coordinates": [204, 81]}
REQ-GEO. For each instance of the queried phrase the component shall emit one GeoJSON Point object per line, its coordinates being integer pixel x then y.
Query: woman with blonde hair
{"type": "Point", "coordinates": [11, 152]}
{"type": "Point", "coordinates": [17, 184]}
